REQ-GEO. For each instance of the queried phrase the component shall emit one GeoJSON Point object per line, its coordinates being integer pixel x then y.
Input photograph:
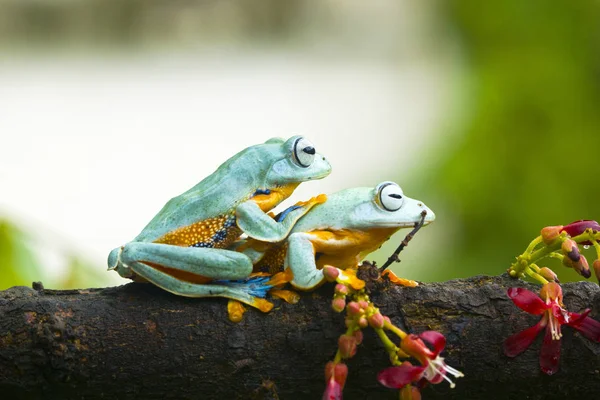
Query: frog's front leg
{"type": "Point", "coordinates": [188, 271]}
{"type": "Point", "coordinates": [251, 219]}
{"type": "Point", "coordinates": [300, 258]}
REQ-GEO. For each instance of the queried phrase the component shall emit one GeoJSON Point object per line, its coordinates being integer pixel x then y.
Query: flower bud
{"type": "Point", "coordinates": [339, 372]}
{"type": "Point", "coordinates": [582, 267]}
{"type": "Point", "coordinates": [354, 308]}
{"type": "Point", "coordinates": [570, 249]}
{"type": "Point", "coordinates": [596, 266]}
{"type": "Point", "coordinates": [363, 304]}
{"type": "Point", "coordinates": [338, 304]}
{"type": "Point", "coordinates": [362, 322]}
{"type": "Point", "coordinates": [358, 335]}
{"type": "Point", "coordinates": [548, 274]}
{"type": "Point", "coordinates": [376, 321]}
{"type": "Point", "coordinates": [331, 273]}
{"type": "Point", "coordinates": [341, 289]}
{"type": "Point", "coordinates": [550, 233]}
{"type": "Point", "coordinates": [410, 392]}
{"type": "Point", "coordinates": [347, 346]}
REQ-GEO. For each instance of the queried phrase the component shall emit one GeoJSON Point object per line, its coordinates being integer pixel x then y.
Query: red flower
{"type": "Point", "coordinates": [578, 227]}
{"type": "Point", "coordinates": [433, 369]}
{"type": "Point", "coordinates": [333, 390]}
{"type": "Point", "coordinates": [335, 375]}
{"type": "Point", "coordinates": [554, 315]}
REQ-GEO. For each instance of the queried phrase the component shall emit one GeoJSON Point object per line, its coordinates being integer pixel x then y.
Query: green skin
{"type": "Point", "coordinates": [228, 190]}
{"type": "Point", "coordinates": [366, 223]}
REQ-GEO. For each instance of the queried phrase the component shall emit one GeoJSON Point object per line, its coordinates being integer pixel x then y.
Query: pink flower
{"type": "Point", "coordinates": [554, 315]}
{"type": "Point", "coordinates": [335, 375]}
{"type": "Point", "coordinates": [433, 369]}
{"type": "Point", "coordinates": [333, 390]}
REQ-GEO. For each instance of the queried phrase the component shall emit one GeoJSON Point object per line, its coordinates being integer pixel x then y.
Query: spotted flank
{"type": "Point", "coordinates": [273, 260]}
{"type": "Point", "coordinates": [218, 233]}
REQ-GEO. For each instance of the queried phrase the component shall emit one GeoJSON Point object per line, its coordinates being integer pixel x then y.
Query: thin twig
{"type": "Point", "coordinates": [394, 257]}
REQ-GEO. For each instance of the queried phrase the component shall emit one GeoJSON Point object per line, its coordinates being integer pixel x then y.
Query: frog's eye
{"type": "Point", "coordinates": [304, 152]}
{"type": "Point", "coordinates": [390, 196]}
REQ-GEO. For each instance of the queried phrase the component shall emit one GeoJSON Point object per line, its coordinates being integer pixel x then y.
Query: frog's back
{"type": "Point", "coordinates": [204, 216]}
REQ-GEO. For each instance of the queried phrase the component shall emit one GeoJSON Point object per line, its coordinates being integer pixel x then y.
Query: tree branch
{"type": "Point", "coordinates": [137, 341]}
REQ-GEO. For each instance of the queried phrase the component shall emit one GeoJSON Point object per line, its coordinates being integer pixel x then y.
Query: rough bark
{"type": "Point", "coordinates": [137, 341]}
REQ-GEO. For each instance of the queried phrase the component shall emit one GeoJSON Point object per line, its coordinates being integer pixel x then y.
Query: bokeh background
{"type": "Point", "coordinates": [486, 111]}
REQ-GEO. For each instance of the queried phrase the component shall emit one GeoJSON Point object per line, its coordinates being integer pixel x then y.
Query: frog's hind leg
{"type": "Point", "coordinates": [192, 272]}
{"type": "Point", "coordinates": [198, 265]}
{"type": "Point", "coordinates": [249, 291]}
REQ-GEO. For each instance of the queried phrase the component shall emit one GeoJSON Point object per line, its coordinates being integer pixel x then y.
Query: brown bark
{"type": "Point", "coordinates": [137, 341]}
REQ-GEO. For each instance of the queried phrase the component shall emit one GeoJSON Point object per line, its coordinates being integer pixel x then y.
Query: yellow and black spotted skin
{"type": "Point", "coordinates": [221, 231]}
{"type": "Point", "coordinates": [217, 233]}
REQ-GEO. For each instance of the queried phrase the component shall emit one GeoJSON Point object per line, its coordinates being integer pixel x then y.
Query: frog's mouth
{"type": "Point", "coordinates": [424, 218]}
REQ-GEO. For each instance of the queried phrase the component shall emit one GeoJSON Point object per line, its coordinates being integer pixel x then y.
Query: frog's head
{"type": "Point", "coordinates": [296, 161]}
{"type": "Point", "coordinates": [386, 206]}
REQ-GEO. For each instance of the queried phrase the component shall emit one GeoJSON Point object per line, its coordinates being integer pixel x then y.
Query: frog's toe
{"type": "Point", "coordinates": [289, 296]}
{"type": "Point", "coordinates": [235, 310]}
{"type": "Point", "coordinates": [395, 279]}
{"type": "Point", "coordinates": [262, 304]}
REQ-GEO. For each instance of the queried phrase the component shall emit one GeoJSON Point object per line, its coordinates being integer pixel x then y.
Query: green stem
{"type": "Point", "coordinates": [536, 276]}
{"type": "Point", "coordinates": [533, 245]}
{"type": "Point", "coordinates": [394, 329]}
{"type": "Point", "coordinates": [391, 348]}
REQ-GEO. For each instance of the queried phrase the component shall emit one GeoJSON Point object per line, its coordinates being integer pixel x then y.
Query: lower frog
{"type": "Point", "coordinates": [340, 232]}
{"type": "Point", "coordinates": [184, 248]}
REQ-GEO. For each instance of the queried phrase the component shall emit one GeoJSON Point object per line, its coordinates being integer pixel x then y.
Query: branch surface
{"type": "Point", "coordinates": [139, 342]}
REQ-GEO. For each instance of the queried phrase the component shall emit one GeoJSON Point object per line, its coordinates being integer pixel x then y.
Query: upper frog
{"type": "Point", "coordinates": [266, 174]}
{"type": "Point", "coordinates": [184, 246]}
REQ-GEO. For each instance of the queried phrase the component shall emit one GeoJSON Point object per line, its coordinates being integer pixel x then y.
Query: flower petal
{"type": "Point", "coordinates": [550, 353]}
{"type": "Point", "coordinates": [578, 227]}
{"type": "Point", "coordinates": [397, 377]}
{"type": "Point", "coordinates": [436, 339]}
{"type": "Point", "coordinates": [333, 391]}
{"type": "Point", "coordinates": [519, 342]}
{"type": "Point", "coordinates": [590, 328]}
{"type": "Point", "coordinates": [527, 301]}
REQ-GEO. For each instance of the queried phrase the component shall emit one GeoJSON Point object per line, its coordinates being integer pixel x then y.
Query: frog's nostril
{"type": "Point", "coordinates": [420, 205]}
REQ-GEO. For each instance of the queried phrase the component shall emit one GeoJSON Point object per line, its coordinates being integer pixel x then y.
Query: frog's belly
{"type": "Point", "coordinates": [346, 248]}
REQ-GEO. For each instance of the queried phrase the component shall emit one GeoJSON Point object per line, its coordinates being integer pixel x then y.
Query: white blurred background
{"type": "Point", "coordinates": [100, 134]}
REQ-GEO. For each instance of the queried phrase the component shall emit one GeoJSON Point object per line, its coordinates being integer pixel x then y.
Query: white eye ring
{"type": "Point", "coordinates": [390, 196]}
{"type": "Point", "coordinates": [304, 152]}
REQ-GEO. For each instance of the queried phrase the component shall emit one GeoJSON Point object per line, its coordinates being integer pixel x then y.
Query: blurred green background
{"type": "Point", "coordinates": [513, 151]}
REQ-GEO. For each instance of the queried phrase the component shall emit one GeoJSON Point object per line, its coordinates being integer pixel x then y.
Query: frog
{"type": "Point", "coordinates": [340, 232]}
{"type": "Point", "coordinates": [185, 250]}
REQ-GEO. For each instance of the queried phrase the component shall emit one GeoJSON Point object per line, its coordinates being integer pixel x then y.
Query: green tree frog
{"type": "Point", "coordinates": [183, 249]}
{"type": "Point", "coordinates": [340, 232]}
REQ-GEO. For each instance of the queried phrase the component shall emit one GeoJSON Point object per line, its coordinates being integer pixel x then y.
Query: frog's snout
{"type": "Point", "coordinates": [429, 216]}
{"type": "Point", "coordinates": [321, 167]}
{"type": "Point", "coordinates": [113, 258]}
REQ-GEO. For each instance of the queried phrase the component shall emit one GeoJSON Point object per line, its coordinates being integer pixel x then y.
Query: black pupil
{"type": "Point", "coordinates": [395, 195]}
{"type": "Point", "coordinates": [309, 150]}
